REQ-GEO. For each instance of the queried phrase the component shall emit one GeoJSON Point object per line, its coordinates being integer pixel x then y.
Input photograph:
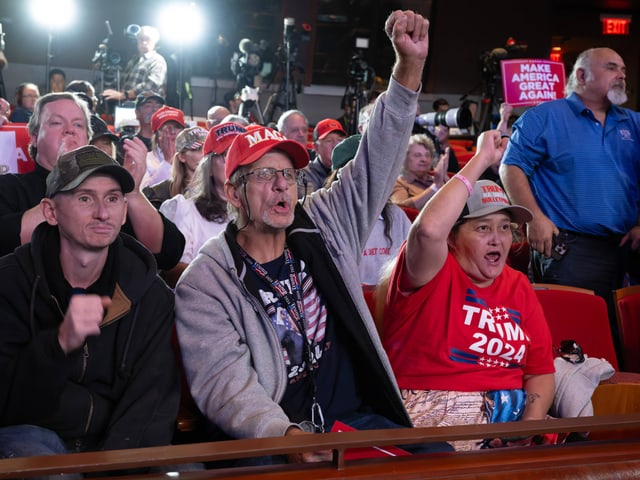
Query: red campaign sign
{"type": "Point", "coordinates": [527, 81]}
{"type": "Point", "coordinates": [14, 149]}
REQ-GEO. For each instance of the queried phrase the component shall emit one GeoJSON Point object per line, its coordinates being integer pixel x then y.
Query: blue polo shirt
{"type": "Point", "coordinates": [585, 177]}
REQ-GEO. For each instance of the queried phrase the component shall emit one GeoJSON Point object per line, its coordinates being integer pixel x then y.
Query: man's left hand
{"type": "Point", "coordinates": [633, 236]}
{"type": "Point", "coordinates": [135, 159]}
{"type": "Point", "coordinates": [111, 94]}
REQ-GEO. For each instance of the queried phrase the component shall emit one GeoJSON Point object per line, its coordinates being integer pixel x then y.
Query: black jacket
{"type": "Point", "coordinates": [121, 390]}
{"type": "Point", "coordinates": [20, 192]}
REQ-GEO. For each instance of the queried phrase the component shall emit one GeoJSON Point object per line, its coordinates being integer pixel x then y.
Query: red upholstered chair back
{"type": "Point", "coordinates": [577, 314]}
{"type": "Point", "coordinates": [411, 213]}
{"type": "Point", "coordinates": [627, 302]}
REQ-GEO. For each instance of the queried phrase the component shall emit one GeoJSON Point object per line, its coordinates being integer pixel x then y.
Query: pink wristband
{"type": "Point", "coordinates": [466, 182]}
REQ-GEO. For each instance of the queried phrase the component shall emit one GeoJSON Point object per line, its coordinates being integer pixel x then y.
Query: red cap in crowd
{"type": "Point", "coordinates": [220, 137]}
{"type": "Point", "coordinates": [325, 127]}
{"type": "Point", "coordinates": [164, 115]}
{"type": "Point", "coordinates": [252, 145]}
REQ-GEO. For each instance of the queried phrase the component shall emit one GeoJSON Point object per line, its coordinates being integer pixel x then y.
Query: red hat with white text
{"type": "Point", "coordinates": [164, 115]}
{"type": "Point", "coordinates": [252, 145]}
{"type": "Point", "coordinates": [220, 137]}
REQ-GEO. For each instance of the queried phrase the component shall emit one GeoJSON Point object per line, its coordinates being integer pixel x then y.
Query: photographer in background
{"type": "Point", "coordinates": [247, 66]}
{"type": "Point", "coordinates": [146, 72]}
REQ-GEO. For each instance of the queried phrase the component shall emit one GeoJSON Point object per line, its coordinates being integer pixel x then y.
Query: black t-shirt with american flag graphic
{"type": "Point", "coordinates": [334, 373]}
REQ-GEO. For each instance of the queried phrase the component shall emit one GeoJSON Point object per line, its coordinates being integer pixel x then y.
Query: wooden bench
{"type": "Point", "coordinates": [617, 458]}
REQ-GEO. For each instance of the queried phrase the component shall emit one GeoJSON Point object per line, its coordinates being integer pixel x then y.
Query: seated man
{"type": "Point", "coordinates": [60, 123]}
{"type": "Point", "coordinates": [326, 135]}
{"type": "Point", "coordinates": [86, 361]}
{"type": "Point", "coordinates": [275, 334]}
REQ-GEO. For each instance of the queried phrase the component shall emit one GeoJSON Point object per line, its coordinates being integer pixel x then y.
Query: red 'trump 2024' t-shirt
{"type": "Point", "coordinates": [451, 334]}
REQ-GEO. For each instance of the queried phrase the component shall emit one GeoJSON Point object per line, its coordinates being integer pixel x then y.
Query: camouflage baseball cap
{"type": "Point", "coordinates": [76, 166]}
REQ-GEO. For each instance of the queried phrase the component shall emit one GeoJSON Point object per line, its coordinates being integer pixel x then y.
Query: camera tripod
{"type": "Point", "coordinates": [250, 106]}
{"type": "Point", "coordinates": [285, 97]}
{"type": "Point", "coordinates": [490, 104]}
{"type": "Point", "coordinates": [282, 100]}
{"type": "Point", "coordinates": [353, 100]}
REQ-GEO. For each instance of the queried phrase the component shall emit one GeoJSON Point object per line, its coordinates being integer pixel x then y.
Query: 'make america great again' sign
{"type": "Point", "coordinates": [527, 82]}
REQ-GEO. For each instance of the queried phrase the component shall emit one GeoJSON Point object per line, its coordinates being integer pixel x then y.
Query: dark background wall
{"type": "Point", "coordinates": [461, 32]}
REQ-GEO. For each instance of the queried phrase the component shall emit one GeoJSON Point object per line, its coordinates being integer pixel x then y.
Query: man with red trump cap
{"type": "Point", "coordinates": [326, 135]}
{"type": "Point", "coordinates": [275, 334]}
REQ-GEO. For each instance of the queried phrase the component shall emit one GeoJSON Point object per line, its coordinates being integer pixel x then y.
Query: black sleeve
{"type": "Point", "coordinates": [172, 243]}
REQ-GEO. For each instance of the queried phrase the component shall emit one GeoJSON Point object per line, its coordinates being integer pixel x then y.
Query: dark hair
{"type": "Point", "coordinates": [81, 86]}
{"type": "Point", "coordinates": [84, 90]}
{"type": "Point", "coordinates": [57, 71]}
{"type": "Point", "coordinates": [20, 91]}
{"type": "Point", "coordinates": [437, 103]}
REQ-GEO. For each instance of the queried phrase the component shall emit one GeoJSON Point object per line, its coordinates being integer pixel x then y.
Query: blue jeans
{"type": "Point", "coordinates": [31, 440]}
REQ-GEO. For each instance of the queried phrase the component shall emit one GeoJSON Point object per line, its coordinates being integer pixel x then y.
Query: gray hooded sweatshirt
{"type": "Point", "coordinates": [231, 351]}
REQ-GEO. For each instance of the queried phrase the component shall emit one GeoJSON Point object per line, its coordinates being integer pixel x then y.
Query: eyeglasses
{"type": "Point", "coordinates": [571, 351]}
{"type": "Point", "coordinates": [268, 174]}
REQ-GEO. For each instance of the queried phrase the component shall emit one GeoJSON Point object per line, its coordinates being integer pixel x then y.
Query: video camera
{"type": "Point", "coordinates": [359, 71]}
{"type": "Point", "coordinates": [490, 60]}
{"type": "Point", "coordinates": [104, 58]}
{"type": "Point", "coordinates": [453, 118]}
{"type": "Point", "coordinates": [248, 63]}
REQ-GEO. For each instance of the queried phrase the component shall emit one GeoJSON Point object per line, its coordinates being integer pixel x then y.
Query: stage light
{"type": "Point", "coordinates": [181, 23]}
{"type": "Point", "coordinates": [53, 15]}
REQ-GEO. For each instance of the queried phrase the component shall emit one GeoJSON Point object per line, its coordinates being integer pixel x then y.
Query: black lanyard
{"type": "Point", "coordinates": [295, 307]}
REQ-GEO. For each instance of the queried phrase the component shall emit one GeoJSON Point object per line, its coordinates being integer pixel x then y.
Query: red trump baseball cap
{"type": "Point", "coordinates": [164, 115]}
{"type": "Point", "coordinates": [220, 137]}
{"type": "Point", "coordinates": [252, 145]}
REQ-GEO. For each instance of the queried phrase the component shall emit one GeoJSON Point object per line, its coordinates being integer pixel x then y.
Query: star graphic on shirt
{"type": "Point", "coordinates": [500, 313]}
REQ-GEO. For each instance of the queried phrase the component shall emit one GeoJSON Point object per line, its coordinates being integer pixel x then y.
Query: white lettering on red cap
{"type": "Point", "coordinates": [254, 138]}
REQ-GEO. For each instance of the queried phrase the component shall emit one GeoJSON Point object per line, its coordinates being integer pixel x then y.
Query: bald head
{"type": "Point", "coordinates": [216, 114]}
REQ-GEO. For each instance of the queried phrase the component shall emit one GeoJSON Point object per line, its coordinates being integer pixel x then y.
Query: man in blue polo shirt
{"type": "Point", "coordinates": [575, 163]}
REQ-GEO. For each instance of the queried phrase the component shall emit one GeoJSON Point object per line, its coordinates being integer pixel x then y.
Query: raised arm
{"type": "Point", "coordinates": [155, 232]}
{"type": "Point", "coordinates": [364, 184]}
{"type": "Point", "coordinates": [408, 32]}
{"type": "Point", "coordinates": [427, 242]}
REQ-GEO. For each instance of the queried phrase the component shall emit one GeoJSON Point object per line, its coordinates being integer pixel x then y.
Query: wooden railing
{"type": "Point", "coordinates": [607, 459]}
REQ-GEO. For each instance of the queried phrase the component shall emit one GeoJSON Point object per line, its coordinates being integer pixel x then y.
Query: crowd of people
{"type": "Point", "coordinates": [254, 244]}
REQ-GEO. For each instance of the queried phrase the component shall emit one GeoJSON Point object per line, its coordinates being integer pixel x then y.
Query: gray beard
{"type": "Point", "coordinates": [617, 96]}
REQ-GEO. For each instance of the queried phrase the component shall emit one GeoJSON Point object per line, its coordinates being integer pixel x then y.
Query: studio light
{"type": "Point", "coordinates": [53, 15]}
{"type": "Point", "coordinates": [181, 24]}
